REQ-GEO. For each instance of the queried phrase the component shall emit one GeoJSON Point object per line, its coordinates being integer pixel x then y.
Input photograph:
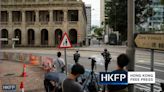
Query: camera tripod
{"type": "Point", "coordinates": [93, 85]}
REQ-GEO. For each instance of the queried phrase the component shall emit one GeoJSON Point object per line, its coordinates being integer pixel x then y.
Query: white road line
{"type": "Point", "coordinates": [149, 68]}
{"type": "Point", "coordinates": [143, 87]}
{"type": "Point", "coordinates": [146, 63]}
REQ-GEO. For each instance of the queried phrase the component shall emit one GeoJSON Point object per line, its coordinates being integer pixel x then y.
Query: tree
{"type": "Point", "coordinates": [99, 32]}
{"type": "Point", "coordinates": [116, 11]}
{"type": "Point", "coordinates": [162, 2]}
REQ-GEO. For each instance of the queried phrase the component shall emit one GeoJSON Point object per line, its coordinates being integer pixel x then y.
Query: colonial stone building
{"type": "Point", "coordinates": [42, 22]}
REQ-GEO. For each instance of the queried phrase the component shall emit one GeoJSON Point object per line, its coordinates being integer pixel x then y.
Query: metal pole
{"type": "Point", "coordinates": [130, 49]}
{"type": "Point", "coordinates": [65, 60]}
{"type": "Point", "coordinates": [152, 67]}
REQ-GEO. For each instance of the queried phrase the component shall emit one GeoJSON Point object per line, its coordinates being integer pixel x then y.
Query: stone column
{"type": "Point", "coordinates": [24, 31]}
{"type": "Point", "coordinates": [51, 17]}
{"type": "Point", "coordinates": [37, 17]}
{"type": "Point", "coordinates": [80, 31]}
{"type": "Point", "coordinates": [37, 31]}
{"type": "Point", "coordinates": [37, 37]}
{"type": "Point", "coordinates": [65, 24]}
{"type": "Point", "coordinates": [50, 37]}
{"type": "Point", "coordinates": [10, 31]}
{"type": "Point", "coordinates": [23, 1]}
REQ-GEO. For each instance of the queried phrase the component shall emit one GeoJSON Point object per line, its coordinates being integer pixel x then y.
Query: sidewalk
{"type": "Point", "coordinates": [10, 74]}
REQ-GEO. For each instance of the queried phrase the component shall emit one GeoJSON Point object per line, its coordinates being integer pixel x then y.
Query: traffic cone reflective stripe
{"type": "Point", "coordinates": [22, 87]}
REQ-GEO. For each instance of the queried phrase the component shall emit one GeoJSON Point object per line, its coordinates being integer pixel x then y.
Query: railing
{"type": "Point", "coordinates": [44, 0]}
{"type": "Point", "coordinates": [73, 22]}
{"type": "Point", "coordinates": [30, 23]}
{"type": "Point", "coordinates": [3, 23]}
{"type": "Point", "coordinates": [17, 23]}
{"type": "Point", "coordinates": [59, 22]}
{"type": "Point", "coordinates": [30, 0]}
{"type": "Point", "coordinates": [44, 22]}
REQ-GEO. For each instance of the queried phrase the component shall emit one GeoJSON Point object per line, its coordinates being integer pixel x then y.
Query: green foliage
{"type": "Point", "coordinates": [116, 13]}
{"type": "Point", "coordinates": [99, 32]}
{"type": "Point", "coordinates": [162, 2]}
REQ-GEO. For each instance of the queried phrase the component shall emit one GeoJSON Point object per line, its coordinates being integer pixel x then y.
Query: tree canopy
{"type": "Point", "coordinates": [116, 14]}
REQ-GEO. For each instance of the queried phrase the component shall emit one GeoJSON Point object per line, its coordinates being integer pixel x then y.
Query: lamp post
{"type": "Point", "coordinates": [131, 49]}
{"type": "Point", "coordinates": [116, 4]}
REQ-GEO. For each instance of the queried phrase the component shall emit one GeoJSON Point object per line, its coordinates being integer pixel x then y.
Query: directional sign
{"type": "Point", "coordinates": [150, 41]}
{"type": "Point", "coordinates": [65, 43]}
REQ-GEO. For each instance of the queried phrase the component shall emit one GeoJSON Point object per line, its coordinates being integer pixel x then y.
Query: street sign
{"type": "Point", "coordinates": [150, 41]}
{"type": "Point", "coordinates": [65, 43]}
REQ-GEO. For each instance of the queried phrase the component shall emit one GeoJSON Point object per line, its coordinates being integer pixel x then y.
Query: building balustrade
{"type": "Point", "coordinates": [58, 22]}
{"type": "Point", "coordinates": [30, 23]}
{"type": "Point", "coordinates": [44, 22]}
{"type": "Point", "coordinates": [73, 22]}
{"type": "Point", "coordinates": [3, 23]}
{"type": "Point", "coordinates": [29, 1]}
{"type": "Point", "coordinates": [17, 23]}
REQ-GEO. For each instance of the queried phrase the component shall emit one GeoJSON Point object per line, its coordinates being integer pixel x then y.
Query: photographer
{"type": "Point", "coordinates": [76, 56]}
{"type": "Point", "coordinates": [107, 58]}
{"type": "Point", "coordinates": [69, 84]}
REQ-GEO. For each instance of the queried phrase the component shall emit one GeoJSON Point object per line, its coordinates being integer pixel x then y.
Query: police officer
{"type": "Point", "coordinates": [76, 56]}
{"type": "Point", "coordinates": [107, 58]}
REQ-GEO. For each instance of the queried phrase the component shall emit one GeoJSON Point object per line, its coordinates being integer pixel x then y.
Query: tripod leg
{"type": "Point", "coordinates": [96, 81]}
{"type": "Point", "coordinates": [86, 81]}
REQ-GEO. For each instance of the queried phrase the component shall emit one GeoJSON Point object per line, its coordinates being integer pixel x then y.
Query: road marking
{"type": "Point", "coordinates": [146, 63]}
{"type": "Point", "coordinates": [149, 68]}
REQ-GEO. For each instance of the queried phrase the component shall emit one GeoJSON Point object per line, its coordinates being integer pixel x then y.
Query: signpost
{"type": "Point", "coordinates": [150, 41]}
{"type": "Point", "coordinates": [65, 43]}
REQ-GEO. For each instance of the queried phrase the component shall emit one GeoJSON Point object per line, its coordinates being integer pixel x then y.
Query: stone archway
{"type": "Point", "coordinates": [17, 34]}
{"type": "Point", "coordinates": [58, 36]}
{"type": "Point", "coordinates": [31, 37]}
{"type": "Point", "coordinates": [73, 36]}
{"type": "Point", "coordinates": [4, 34]}
{"type": "Point", "coordinates": [44, 37]}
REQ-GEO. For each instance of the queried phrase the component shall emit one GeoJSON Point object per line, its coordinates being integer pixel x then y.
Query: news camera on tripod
{"type": "Point", "coordinates": [91, 82]}
{"type": "Point", "coordinates": [107, 57]}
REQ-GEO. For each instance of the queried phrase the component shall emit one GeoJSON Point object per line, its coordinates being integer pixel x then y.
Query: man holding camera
{"type": "Point", "coordinates": [107, 58]}
{"type": "Point", "coordinates": [76, 56]}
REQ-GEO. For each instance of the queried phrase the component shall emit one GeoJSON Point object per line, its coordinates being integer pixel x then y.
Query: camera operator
{"type": "Point", "coordinates": [76, 56]}
{"type": "Point", "coordinates": [107, 58]}
{"type": "Point", "coordinates": [69, 84]}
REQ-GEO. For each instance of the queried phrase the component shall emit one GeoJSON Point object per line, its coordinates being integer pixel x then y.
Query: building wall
{"type": "Point", "coordinates": [156, 21]}
{"type": "Point", "coordinates": [42, 18]}
{"type": "Point", "coordinates": [88, 29]}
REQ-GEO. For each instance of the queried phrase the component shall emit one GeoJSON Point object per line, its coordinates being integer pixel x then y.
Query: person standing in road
{"type": "Point", "coordinates": [59, 63]}
{"type": "Point", "coordinates": [76, 56]}
{"type": "Point", "coordinates": [69, 84]}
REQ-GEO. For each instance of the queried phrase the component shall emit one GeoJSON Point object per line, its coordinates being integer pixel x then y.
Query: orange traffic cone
{"type": "Point", "coordinates": [22, 87]}
{"type": "Point", "coordinates": [24, 74]}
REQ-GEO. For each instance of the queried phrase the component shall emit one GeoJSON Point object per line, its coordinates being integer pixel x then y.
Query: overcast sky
{"type": "Point", "coordinates": [95, 12]}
